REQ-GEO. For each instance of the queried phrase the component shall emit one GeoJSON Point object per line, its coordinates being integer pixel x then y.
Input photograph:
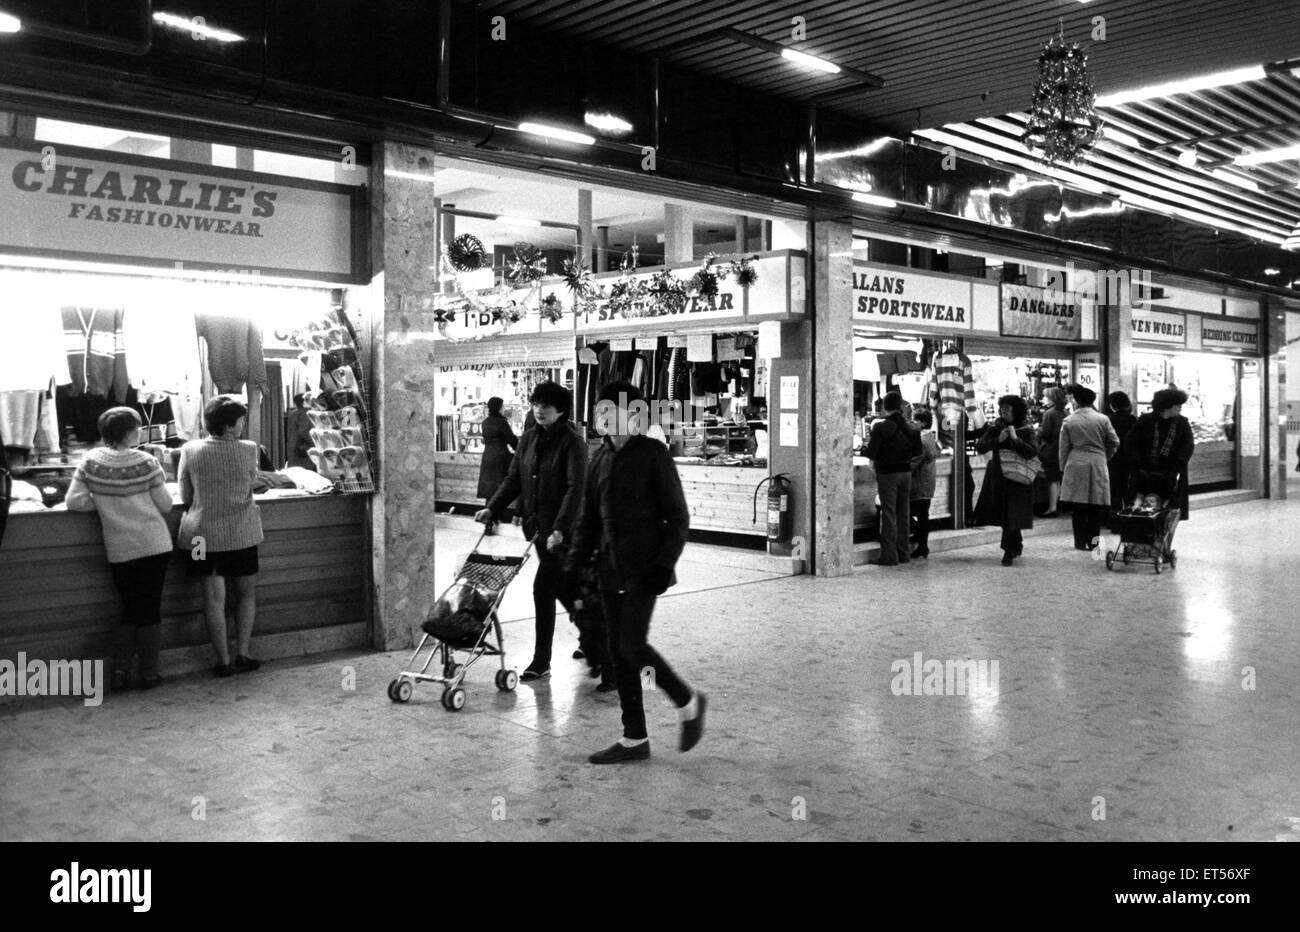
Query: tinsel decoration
{"type": "Point", "coordinates": [668, 293]}
{"type": "Point", "coordinates": [527, 266]}
{"type": "Point", "coordinates": [705, 281]}
{"type": "Point", "coordinates": [507, 314]}
{"type": "Point", "coordinates": [628, 293]}
{"type": "Point", "coordinates": [551, 309]}
{"type": "Point", "coordinates": [578, 277]}
{"type": "Point", "coordinates": [466, 253]}
{"type": "Point", "coordinates": [1063, 122]}
{"type": "Point", "coordinates": [743, 271]}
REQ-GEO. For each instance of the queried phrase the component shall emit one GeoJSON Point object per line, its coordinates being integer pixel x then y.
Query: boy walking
{"type": "Point", "coordinates": [634, 517]}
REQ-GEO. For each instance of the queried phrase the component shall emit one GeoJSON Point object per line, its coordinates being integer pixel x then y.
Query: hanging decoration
{"type": "Point", "coordinates": [551, 308]}
{"type": "Point", "coordinates": [668, 294]}
{"type": "Point", "coordinates": [743, 271]}
{"type": "Point", "coordinates": [527, 266]}
{"type": "Point", "coordinates": [705, 282]}
{"type": "Point", "coordinates": [1063, 120]}
{"type": "Point", "coordinates": [578, 277]}
{"type": "Point", "coordinates": [510, 313]}
{"type": "Point", "coordinates": [466, 253]}
{"type": "Point", "coordinates": [628, 293]}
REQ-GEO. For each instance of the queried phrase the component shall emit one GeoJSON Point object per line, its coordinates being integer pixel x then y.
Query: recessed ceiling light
{"type": "Point", "coordinates": [556, 132]}
{"type": "Point", "coordinates": [810, 61]}
{"type": "Point", "coordinates": [196, 28]}
{"type": "Point", "coordinates": [1272, 271]}
{"type": "Point", "coordinates": [10, 23]}
{"type": "Point", "coordinates": [1170, 88]}
{"type": "Point", "coordinates": [1187, 158]}
{"type": "Point", "coordinates": [1268, 155]}
{"type": "Point", "coordinates": [606, 122]}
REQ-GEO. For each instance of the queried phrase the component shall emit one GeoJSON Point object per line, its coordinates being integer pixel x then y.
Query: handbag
{"type": "Point", "coordinates": [1017, 469]}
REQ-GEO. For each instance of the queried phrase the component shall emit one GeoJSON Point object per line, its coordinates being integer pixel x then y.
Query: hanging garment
{"type": "Point", "coordinates": [96, 351]}
{"type": "Point", "coordinates": [887, 363]}
{"type": "Point", "coordinates": [953, 385]}
{"type": "Point", "coordinates": [48, 438]}
{"type": "Point", "coordinates": [234, 351]}
{"type": "Point", "coordinates": [866, 366]}
{"type": "Point", "coordinates": [912, 387]}
{"type": "Point", "coordinates": [20, 416]}
{"type": "Point", "coordinates": [38, 332]}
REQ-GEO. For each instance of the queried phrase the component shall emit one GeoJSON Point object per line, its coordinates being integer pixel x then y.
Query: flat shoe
{"type": "Point", "coordinates": [150, 682]}
{"type": "Point", "coordinates": [617, 753]}
{"type": "Point", "coordinates": [531, 673]}
{"type": "Point", "coordinates": [606, 687]}
{"type": "Point", "coordinates": [693, 728]}
{"type": "Point", "coordinates": [245, 664]}
{"type": "Point", "coordinates": [223, 670]}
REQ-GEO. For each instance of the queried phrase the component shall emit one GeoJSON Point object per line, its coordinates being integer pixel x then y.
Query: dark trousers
{"type": "Point", "coordinates": [545, 586]}
{"type": "Point", "coordinates": [921, 520]}
{"type": "Point", "coordinates": [1012, 540]}
{"type": "Point", "coordinates": [140, 584]}
{"type": "Point", "coordinates": [627, 617]}
{"type": "Point", "coordinates": [895, 489]}
{"type": "Point", "coordinates": [1086, 521]}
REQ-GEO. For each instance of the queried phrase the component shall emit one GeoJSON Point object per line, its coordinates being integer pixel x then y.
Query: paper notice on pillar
{"type": "Point", "coordinates": [789, 429]}
{"type": "Point", "coordinates": [647, 343]}
{"type": "Point", "coordinates": [678, 341]}
{"type": "Point", "coordinates": [789, 392]}
{"type": "Point", "coordinates": [620, 346]}
{"type": "Point", "coordinates": [699, 347]}
{"type": "Point", "coordinates": [727, 349]}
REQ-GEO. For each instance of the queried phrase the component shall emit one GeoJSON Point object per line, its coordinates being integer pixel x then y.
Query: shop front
{"type": "Point", "coordinates": [685, 301]}
{"type": "Point", "coordinates": [1216, 360]}
{"type": "Point", "coordinates": [147, 281]}
{"type": "Point", "coordinates": [952, 345]}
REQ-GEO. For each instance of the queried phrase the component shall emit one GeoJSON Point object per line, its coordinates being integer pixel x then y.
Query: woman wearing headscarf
{"type": "Point", "coordinates": [1087, 443]}
{"type": "Point", "coordinates": [1049, 435]}
{"type": "Point", "coordinates": [1122, 419]}
{"type": "Point", "coordinates": [1162, 442]}
{"type": "Point", "coordinates": [1003, 503]}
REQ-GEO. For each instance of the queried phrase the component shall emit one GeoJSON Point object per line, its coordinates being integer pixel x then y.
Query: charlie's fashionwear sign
{"type": "Point", "coordinates": [1042, 313]}
{"type": "Point", "coordinates": [75, 203]}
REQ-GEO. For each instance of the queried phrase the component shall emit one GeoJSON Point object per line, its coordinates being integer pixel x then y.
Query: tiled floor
{"type": "Point", "coordinates": [1119, 694]}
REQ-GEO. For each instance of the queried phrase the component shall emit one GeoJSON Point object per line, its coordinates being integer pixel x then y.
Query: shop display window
{"type": "Point", "coordinates": [1211, 385]}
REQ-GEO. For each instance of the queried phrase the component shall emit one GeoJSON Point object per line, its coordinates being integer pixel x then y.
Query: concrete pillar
{"type": "Point", "coordinates": [1273, 345]}
{"type": "Point", "coordinates": [442, 240]}
{"type": "Point", "coordinates": [679, 236]}
{"type": "Point", "coordinates": [17, 125]}
{"type": "Point", "coordinates": [832, 399]}
{"type": "Point", "coordinates": [191, 150]}
{"type": "Point", "coordinates": [742, 233]}
{"type": "Point", "coordinates": [602, 249]}
{"type": "Point", "coordinates": [1117, 331]}
{"type": "Point", "coordinates": [245, 160]}
{"type": "Point", "coordinates": [585, 238]}
{"type": "Point", "coordinates": [405, 434]}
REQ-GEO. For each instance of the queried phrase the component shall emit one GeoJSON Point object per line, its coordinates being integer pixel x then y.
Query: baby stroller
{"type": "Point", "coordinates": [1146, 525]}
{"type": "Point", "coordinates": [464, 619]}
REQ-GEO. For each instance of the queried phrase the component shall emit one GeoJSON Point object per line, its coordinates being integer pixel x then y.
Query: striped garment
{"type": "Point", "coordinates": [216, 479]}
{"type": "Point", "coordinates": [128, 489]}
{"type": "Point", "coordinates": [952, 387]}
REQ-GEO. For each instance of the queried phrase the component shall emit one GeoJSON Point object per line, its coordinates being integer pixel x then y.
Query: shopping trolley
{"type": "Point", "coordinates": [489, 574]}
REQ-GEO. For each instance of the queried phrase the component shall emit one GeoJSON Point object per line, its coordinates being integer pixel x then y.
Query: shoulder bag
{"type": "Point", "coordinates": [1017, 469]}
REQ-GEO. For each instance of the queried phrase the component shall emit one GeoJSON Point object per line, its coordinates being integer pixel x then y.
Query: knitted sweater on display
{"type": "Point", "coordinates": [216, 479]}
{"type": "Point", "coordinates": [128, 489]}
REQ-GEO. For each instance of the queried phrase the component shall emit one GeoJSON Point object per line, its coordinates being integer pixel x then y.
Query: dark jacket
{"type": "Point", "coordinates": [1123, 422]}
{"type": "Point", "coordinates": [1003, 503]}
{"type": "Point", "coordinates": [893, 445]}
{"type": "Point", "coordinates": [633, 513]}
{"type": "Point", "coordinates": [1049, 441]}
{"type": "Point", "coordinates": [1138, 445]}
{"type": "Point", "coordinates": [547, 475]}
{"type": "Point", "coordinates": [498, 438]}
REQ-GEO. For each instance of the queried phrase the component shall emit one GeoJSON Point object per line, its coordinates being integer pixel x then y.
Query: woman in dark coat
{"type": "Point", "coordinates": [1122, 419]}
{"type": "Point", "coordinates": [1004, 503]}
{"type": "Point", "coordinates": [1049, 437]}
{"type": "Point", "coordinates": [499, 443]}
{"type": "Point", "coordinates": [1162, 441]}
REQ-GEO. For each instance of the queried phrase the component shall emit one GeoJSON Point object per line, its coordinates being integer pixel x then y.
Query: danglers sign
{"type": "Point", "coordinates": [75, 203]}
{"type": "Point", "coordinates": [1041, 313]}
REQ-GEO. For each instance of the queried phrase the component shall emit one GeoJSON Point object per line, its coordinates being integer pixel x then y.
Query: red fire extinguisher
{"type": "Point", "coordinates": [780, 510]}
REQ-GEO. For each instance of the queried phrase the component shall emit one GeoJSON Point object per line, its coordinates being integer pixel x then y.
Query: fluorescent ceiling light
{"type": "Point", "coordinates": [1272, 271]}
{"type": "Point", "coordinates": [1231, 178]}
{"type": "Point", "coordinates": [810, 61]}
{"type": "Point", "coordinates": [862, 151]}
{"type": "Point", "coordinates": [606, 122]}
{"type": "Point", "coordinates": [875, 199]}
{"type": "Point", "coordinates": [519, 221]}
{"type": "Point", "coordinates": [555, 132]}
{"type": "Point", "coordinates": [1168, 89]}
{"type": "Point", "coordinates": [195, 28]}
{"type": "Point", "coordinates": [1118, 135]}
{"type": "Point", "coordinates": [10, 23]}
{"type": "Point", "coordinates": [410, 176]}
{"type": "Point", "coordinates": [1187, 158]}
{"type": "Point", "coordinates": [1268, 155]}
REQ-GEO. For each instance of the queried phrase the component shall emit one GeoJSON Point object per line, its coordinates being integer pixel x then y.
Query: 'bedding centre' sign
{"type": "Point", "coordinates": [66, 202]}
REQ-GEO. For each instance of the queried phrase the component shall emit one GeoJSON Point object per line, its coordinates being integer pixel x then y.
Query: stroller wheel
{"type": "Point", "coordinates": [1159, 563]}
{"type": "Point", "coordinates": [392, 687]}
{"type": "Point", "coordinates": [453, 700]}
{"type": "Point", "coordinates": [1110, 559]}
{"type": "Point", "coordinates": [402, 690]}
{"type": "Point", "coordinates": [1173, 559]}
{"type": "Point", "coordinates": [507, 680]}
{"type": "Point", "coordinates": [1127, 557]}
